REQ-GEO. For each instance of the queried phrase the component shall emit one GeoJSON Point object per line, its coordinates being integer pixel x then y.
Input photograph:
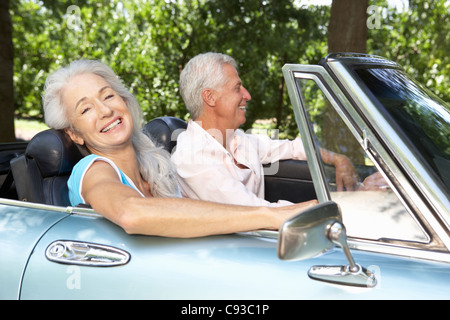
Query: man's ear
{"type": "Point", "coordinates": [75, 137]}
{"type": "Point", "coordinates": [209, 97]}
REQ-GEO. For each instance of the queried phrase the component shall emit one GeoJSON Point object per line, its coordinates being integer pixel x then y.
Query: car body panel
{"type": "Point", "coordinates": [238, 266]}
{"type": "Point", "coordinates": [20, 230]}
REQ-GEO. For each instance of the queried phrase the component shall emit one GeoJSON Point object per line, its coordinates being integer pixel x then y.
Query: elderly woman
{"type": "Point", "coordinates": [126, 178]}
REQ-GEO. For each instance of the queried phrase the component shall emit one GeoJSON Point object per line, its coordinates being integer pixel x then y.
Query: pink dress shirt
{"type": "Point", "coordinates": [208, 171]}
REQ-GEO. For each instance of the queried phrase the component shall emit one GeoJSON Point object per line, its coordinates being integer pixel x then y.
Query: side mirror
{"type": "Point", "coordinates": [305, 235]}
{"type": "Point", "coordinates": [314, 231]}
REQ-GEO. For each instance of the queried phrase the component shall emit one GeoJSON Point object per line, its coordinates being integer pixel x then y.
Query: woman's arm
{"type": "Point", "coordinates": [174, 217]}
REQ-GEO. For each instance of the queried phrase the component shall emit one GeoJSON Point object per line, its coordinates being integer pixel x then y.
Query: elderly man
{"type": "Point", "coordinates": [215, 161]}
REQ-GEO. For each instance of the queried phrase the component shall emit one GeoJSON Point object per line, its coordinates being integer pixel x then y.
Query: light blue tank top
{"type": "Point", "coordinates": [79, 170]}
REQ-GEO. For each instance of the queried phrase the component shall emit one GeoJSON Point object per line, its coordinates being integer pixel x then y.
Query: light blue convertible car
{"type": "Point", "coordinates": [387, 239]}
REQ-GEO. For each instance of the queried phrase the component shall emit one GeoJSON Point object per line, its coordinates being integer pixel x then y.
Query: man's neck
{"type": "Point", "coordinates": [221, 134]}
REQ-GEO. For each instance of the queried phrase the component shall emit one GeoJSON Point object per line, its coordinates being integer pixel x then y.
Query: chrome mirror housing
{"type": "Point", "coordinates": [313, 232]}
{"type": "Point", "coordinates": [305, 235]}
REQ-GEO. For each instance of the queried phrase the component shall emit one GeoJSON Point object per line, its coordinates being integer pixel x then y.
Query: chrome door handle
{"type": "Point", "coordinates": [85, 253]}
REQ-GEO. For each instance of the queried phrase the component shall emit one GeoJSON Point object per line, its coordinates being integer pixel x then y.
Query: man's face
{"type": "Point", "coordinates": [231, 99]}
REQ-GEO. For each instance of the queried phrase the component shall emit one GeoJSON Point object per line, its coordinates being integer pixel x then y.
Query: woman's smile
{"type": "Point", "coordinates": [112, 125]}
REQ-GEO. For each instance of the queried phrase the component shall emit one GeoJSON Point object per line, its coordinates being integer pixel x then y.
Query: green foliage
{"type": "Point", "coordinates": [147, 43]}
{"type": "Point", "coordinates": [419, 40]}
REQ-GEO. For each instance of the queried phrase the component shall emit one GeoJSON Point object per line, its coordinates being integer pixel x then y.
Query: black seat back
{"type": "Point", "coordinates": [41, 174]}
{"type": "Point", "coordinates": [165, 130]}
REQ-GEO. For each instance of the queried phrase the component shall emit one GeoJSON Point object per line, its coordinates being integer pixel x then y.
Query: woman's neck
{"type": "Point", "coordinates": [125, 159]}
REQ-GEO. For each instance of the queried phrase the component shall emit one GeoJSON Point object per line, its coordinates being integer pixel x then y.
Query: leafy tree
{"type": "Point", "coordinates": [262, 36]}
{"type": "Point", "coordinates": [147, 43]}
{"type": "Point", "coordinates": [419, 40]}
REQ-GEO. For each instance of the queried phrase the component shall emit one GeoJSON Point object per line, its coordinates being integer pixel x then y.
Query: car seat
{"type": "Point", "coordinates": [165, 130]}
{"type": "Point", "coordinates": [41, 173]}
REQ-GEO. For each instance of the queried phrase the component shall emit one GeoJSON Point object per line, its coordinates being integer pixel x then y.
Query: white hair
{"type": "Point", "coordinates": [201, 72]}
{"type": "Point", "coordinates": [154, 162]}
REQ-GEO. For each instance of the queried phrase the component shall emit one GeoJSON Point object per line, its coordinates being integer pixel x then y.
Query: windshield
{"type": "Point", "coordinates": [418, 114]}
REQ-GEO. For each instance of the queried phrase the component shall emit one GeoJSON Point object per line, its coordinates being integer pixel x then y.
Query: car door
{"type": "Point", "coordinates": [21, 227]}
{"type": "Point", "coordinates": [232, 267]}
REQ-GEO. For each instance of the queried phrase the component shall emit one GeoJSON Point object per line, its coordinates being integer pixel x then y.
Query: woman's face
{"type": "Point", "coordinates": [99, 116]}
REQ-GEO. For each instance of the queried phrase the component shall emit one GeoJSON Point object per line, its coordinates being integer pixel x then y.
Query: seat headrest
{"type": "Point", "coordinates": [165, 130]}
{"type": "Point", "coordinates": [54, 152]}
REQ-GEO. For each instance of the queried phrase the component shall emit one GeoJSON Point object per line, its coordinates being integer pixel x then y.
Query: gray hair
{"type": "Point", "coordinates": [154, 162]}
{"type": "Point", "coordinates": [202, 72]}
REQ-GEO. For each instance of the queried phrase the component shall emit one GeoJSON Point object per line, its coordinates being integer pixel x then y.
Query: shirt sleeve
{"type": "Point", "coordinates": [272, 150]}
{"type": "Point", "coordinates": [207, 178]}
{"type": "Point", "coordinates": [214, 183]}
{"type": "Point", "coordinates": [205, 171]}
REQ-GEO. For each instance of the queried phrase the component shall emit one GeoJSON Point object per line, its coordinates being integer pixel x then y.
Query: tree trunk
{"type": "Point", "coordinates": [279, 112]}
{"type": "Point", "coordinates": [6, 75]}
{"type": "Point", "coordinates": [347, 31]}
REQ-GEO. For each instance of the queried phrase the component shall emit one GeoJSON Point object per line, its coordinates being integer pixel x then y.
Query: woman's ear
{"type": "Point", "coordinates": [75, 137]}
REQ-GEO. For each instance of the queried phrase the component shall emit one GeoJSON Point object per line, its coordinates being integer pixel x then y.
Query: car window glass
{"type": "Point", "coordinates": [420, 116]}
{"type": "Point", "coordinates": [371, 211]}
